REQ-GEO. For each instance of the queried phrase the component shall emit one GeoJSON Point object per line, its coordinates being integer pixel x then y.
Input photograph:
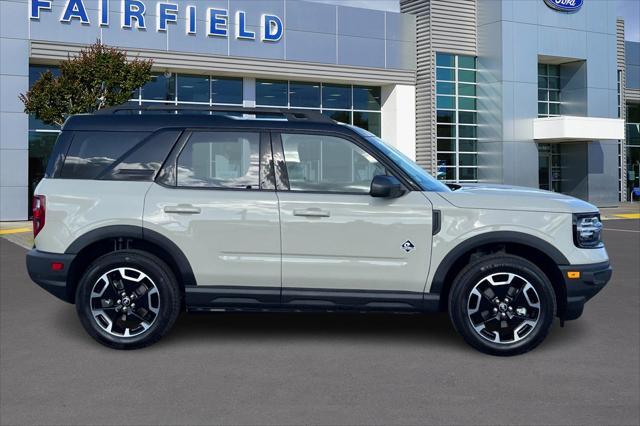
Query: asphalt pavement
{"type": "Point", "coordinates": [320, 369]}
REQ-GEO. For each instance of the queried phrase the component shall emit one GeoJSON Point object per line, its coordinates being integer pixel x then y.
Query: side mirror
{"type": "Point", "coordinates": [383, 186]}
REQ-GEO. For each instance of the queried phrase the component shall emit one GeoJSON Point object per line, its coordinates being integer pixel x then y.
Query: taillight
{"type": "Point", "coordinates": [38, 209]}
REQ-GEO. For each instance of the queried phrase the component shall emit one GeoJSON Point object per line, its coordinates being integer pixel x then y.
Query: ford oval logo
{"type": "Point", "coordinates": [565, 5]}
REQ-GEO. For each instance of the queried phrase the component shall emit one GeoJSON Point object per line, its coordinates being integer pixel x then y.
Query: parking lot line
{"type": "Point", "coordinates": [628, 215]}
{"type": "Point", "coordinates": [14, 231]}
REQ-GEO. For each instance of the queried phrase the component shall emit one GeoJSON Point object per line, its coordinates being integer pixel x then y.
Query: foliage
{"type": "Point", "coordinates": [99, 77]}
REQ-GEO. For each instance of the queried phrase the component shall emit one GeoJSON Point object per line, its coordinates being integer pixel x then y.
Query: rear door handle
{"type": "Point", "coordinates": [311, 212]}
{"type": "Point", "coordinates": [182, 209]}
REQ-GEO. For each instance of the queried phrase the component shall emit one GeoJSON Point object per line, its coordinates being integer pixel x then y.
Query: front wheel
{"type": "Point", "coordinates": [502, 305]}
{"type": "Point", "coordinates": [128, 299]}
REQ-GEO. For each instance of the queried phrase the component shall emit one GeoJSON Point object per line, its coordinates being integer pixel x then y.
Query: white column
{"type": "Point", "coordinates": [399, 117]}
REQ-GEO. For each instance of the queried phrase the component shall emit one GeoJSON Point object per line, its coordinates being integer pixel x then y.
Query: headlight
{"type": "Point", "coordinates": [587, 230]}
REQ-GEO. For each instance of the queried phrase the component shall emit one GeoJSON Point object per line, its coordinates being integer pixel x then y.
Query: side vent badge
{"type": "Point", "coordinates": [408, 246]}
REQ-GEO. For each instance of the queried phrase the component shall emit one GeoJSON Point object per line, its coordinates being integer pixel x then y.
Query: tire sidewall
{"type": "Point", "coordinates": [473, 274]}
{"type": "Point", "coordinates": [157, 271]}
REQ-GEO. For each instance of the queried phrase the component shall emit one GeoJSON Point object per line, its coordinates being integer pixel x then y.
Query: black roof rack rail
{"type": "Point", "coordinates": [289, 114]}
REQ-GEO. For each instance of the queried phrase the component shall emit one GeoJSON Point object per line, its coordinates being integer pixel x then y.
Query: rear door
{"type": "Point", "coordinates": [339, 244]}
{"type": "Point", "coordinates": [215, 200]}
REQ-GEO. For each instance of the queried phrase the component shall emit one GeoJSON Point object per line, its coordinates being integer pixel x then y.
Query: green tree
{"type": "Point", "coordinates": [99, 77]}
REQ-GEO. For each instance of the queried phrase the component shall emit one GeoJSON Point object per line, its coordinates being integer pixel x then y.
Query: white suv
{"type": "Point", "coordinates": [144, 214]}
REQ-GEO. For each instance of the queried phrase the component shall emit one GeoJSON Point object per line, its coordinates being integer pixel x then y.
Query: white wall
{"type": "Point", "coordinates": [399, 117]}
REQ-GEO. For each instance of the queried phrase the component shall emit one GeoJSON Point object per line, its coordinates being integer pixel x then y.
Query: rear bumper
{"type": "Point", "coordinates": [592, 279]}
{"type": "Point", "coordinates": [40, 271]}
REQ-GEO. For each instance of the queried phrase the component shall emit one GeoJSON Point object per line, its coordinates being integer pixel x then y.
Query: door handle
{"type": "Point", "coordinates": [311, 212]}
{"type": "Point", "coordinates": [182, 209]}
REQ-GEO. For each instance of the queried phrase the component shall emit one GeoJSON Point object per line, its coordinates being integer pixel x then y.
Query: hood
{"type": "Point", "coordinates": [517, 198]}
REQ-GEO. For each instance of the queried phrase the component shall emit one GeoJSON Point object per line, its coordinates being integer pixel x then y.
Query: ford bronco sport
{"type": "Point", "coordinates": [143, 214]}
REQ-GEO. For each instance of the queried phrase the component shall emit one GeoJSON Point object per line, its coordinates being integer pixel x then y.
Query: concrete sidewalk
{"type": "Point", "coordinates": [622, 211]}
{"type": "Point", "coordinates": [20, 233]}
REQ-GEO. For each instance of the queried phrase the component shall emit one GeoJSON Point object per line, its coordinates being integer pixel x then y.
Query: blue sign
{"type": "Point", "coordinates": [133, 14]}
{"type": "Point", "coordinates": [565, 5]}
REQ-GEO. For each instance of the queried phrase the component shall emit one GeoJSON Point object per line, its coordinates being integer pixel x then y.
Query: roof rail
{"type": "Point", "coordinates": [289, 114]}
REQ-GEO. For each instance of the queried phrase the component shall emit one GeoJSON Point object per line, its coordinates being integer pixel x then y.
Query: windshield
{"type": "Point", "coordinates": [417, 173]}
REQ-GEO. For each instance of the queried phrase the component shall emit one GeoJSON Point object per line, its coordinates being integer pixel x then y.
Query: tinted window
{"type": "Point", "coordinates": [271, 92]}
{"type": "Point", "coordinates": [328, 164]}
{"type": "Point", "coordinates": [366, 98]}
{"type": "Point", "coordinates": [304, 94]}
{"type": "Point", "coordinates": [160, 88]}
{"type": "Point", "coordinates": [226, 90]}
{"type": "Point", "coordinates": [193, 88]}
{"type": "Point", "coordinates": [336, 96]}
{"type": "Point", "coordinates": [91, 153]}
{"type": "Point", "coordinates": [220, 160]}
{"type": "Point", "coordinates": [142, 162]}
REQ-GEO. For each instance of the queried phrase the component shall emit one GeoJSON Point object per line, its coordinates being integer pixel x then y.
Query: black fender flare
{"type": "Point", "coordinates": [140, 233]}
{"type": "Point", "coordinates": [495, 237]}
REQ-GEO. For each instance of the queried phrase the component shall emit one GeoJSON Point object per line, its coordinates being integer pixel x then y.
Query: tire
{"type": "Point", "coordinates": [511, 325]}
{"type": "Point", "coordinates": [116, 321]}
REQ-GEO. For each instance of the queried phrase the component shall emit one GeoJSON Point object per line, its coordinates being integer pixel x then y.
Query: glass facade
{"type": "Point", "coordinates": [548, 90]}
{"type": "Point", "coordinates": [456, 118]}
{"type": "Point", "coordinates": [633, 152]}
{"type": "Point", "coordinates": [357, 105]}
{"type": "Point", "coordinates": [191, 90]}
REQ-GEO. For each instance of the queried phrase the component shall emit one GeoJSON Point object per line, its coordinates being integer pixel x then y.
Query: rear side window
{"type": "Point", "coordinates": [92, 153]}
{"type": "Point", "coordinates": [220, 160]}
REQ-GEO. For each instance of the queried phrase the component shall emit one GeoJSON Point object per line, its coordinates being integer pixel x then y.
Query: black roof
{"type": "Point", "coordinates": [150, 120]}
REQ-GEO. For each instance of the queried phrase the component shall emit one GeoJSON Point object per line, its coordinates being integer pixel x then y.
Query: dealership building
{"type": "Point", "coordinates": [537, 93]}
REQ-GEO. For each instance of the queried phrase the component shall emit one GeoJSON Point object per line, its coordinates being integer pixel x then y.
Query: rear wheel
{"type": "Point", "coordinates": [128, 299]}
{"type": "Point", "coordinates": [502, 305]}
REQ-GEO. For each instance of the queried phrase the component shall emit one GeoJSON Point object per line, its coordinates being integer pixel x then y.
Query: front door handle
{"type": "Point", "coordinates": [311, 212]}
{"type": "Point", "coordinates": [182, 209]}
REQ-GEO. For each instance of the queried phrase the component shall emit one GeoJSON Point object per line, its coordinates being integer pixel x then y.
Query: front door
{"type": "Point", "coordinates": [338, 242]}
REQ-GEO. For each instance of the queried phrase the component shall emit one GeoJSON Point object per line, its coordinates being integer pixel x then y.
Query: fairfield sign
{"type": "Point", "coordinates": [133, 14]}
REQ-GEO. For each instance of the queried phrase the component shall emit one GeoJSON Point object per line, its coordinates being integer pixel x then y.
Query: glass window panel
{"type": "Point", "coordinates": [446, 131]}
{"type": "Point", "coordinates": [370, 121]}
{"type": "Point", "coordinates": [467, 117]}
{"type": "Point", "coordinates": [445, 74]}
{"type": "Point", "coordinates": [467, 62]}
{"type": "Point", "coordinates": [468, 145]}
{"type": "Point", "coordinates": [160, 88]}
{"type": "Point", "coordinates": [226, 90]}
{"type": "Point", "coordinates": [303, 94]}
{"type": "Point", "coordinates": [445, 159]}
{"type": "Point", "coordinates": [466, 89]}
{"type": "Point", "coordinates": [336, 96]}
{"type": "Point", "coordinates": [554, 70]}
{"type": "Point", "coordinates": [328, 164]}
{"type": "Point", "coordinates": [542, 95]}
{"type": "Point", "coordinates": [91, 153]}
{"type": "Point", "coordinates": [445, 116]}
{"type": "Point", "coordinates": [467, 131]}
{"type": "Point", "coordinates": [554, 83]}
{"type": "Point", "coordinates": [445, 102]}
{"type": "Point", "coordinates": [467, 76]}
{"type": "Point", "coordinates": [445, 60]}
{"type": "Point", "coordinates": [467, 173]}
{"type": "Point", "coordinates": [341, 116]}
{"type": "Point", "coordinates": [40, 148]}
{"type": "Point", "coordinates": [193, 88]}
{"type": "Point", "coordinates": [542, 69]}
{"type": "Point", "coordinates": [542, 82]}
{"type": "Point", "coordinates": [445, 173]}
{"type": "Point", "coordinates": [366, 98]}
{"type": "Point", "coordinates": [220, 160]}
{"type": "Point", "coordinates": [443, 88]}
{"type": "Point", "coordinates": [633, 113]}
{"type": "Point", "coordinates": [271, 92]}
{"type": "Point", "coordinates": [554, 109]}
{"type": "Point", "coordinates": [467, 103]}
{"type": "Point", "coordinates": [468, 159]}
{"type": "Point", "coordinates": [543, 108]}
{"type": "Point", "coordinates": [554, 95]}
{"type": "Point", "coordinates": [446, 144]}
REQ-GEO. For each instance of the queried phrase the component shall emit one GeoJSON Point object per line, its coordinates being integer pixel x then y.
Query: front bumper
{"type": "Point", "coordinates": [591, 280]}
{"type": "Point", "coordinates": [54, 281]}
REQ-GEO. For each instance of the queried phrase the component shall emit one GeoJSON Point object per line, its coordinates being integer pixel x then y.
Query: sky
{"type": "Point", "coordinates": [627, 9]}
